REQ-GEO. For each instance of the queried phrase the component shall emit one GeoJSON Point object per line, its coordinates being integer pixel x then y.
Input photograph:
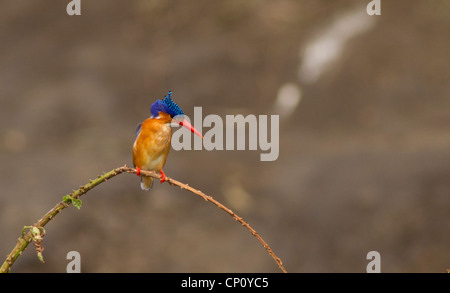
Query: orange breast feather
{"type": "Point", "coordinates": [152, 145]}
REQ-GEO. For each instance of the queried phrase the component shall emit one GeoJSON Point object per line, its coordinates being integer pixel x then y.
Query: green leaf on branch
{"type": "Point", "coordinates": [76, 202]}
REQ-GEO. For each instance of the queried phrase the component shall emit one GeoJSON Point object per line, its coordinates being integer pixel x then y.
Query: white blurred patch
{"type": "Point", "coordinates": [288, 98]}
{"type": "Point", "coordinates": [327, 46]}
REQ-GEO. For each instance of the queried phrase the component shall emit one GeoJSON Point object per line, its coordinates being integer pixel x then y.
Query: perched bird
{"type": "Point", "coordinates": [153, 136]}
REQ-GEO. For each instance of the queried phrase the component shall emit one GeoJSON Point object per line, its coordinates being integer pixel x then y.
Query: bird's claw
{"type": "Point", "coordinates": [138, 171]}
{"type": "Point", "coordinates": [163, 176]}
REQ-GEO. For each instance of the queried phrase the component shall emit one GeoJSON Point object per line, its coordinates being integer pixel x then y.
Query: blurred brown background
{"type": "Point", "coordinates": [364, 158]}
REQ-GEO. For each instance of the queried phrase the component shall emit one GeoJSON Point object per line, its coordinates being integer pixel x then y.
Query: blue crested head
{"type": "Point", "coordinates": [166, 105]}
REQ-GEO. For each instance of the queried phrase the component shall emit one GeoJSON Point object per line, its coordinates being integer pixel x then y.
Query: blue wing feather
{"type": "Point", "coordinates": [138, 130]}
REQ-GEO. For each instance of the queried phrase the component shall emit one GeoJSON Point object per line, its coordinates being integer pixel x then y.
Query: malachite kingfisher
{"type": "Point", "coordinates": [153, 138]}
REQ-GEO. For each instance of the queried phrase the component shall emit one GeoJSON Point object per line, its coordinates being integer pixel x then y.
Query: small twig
{"type": "Point", "coordinates": [36, 231]}
{"type": "Point", "coordinates": [25, 239]}
{"type": "Point", "coordinates": [219, 205]}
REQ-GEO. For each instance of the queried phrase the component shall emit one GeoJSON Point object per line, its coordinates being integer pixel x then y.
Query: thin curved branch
{"type": "Point", "coordinates": [36, 231]}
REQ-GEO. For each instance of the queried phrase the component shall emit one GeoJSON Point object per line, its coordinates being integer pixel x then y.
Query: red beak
{"type": "Point", "coordinates": [190, 127]}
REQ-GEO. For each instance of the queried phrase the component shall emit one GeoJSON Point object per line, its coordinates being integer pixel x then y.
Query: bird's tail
{"type": "Point", "coordinates": [146, 183]}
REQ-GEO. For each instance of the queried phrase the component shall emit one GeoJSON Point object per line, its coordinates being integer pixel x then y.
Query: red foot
{"type": "Point", "coordinates": [138, 171]}
{"type": "Point", "coordinates": [163, 176]}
